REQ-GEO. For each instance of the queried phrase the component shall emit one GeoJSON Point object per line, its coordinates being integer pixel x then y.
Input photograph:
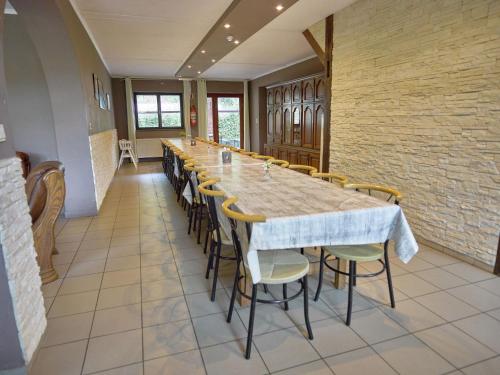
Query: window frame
{"type": "Point", "coordinates": [159, 111]}
{"type": "Point", "coordinates": [215, 112]}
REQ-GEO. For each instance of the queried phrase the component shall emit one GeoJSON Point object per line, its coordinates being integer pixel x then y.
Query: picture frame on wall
{"type": "Point", "coordinates": [102, 95]}
{"type": "Point", "coordinates": [96, 87]}
{"type": "Point", "coordinates": [108, 102]}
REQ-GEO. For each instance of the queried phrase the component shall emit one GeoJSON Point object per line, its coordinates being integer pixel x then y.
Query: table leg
{"type": "Point", "coordinates": [339, 281]}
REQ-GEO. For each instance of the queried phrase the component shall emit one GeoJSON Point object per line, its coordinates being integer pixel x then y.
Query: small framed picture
{"type": "Point", "coordinates": [108, 102]}
{"type": "Point", "coordinates": [96, 87]}
{"type": "Point", "coordinates": [102, 95]}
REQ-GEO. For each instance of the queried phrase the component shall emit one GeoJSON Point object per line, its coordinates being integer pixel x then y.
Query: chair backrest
{"type": "Point", "coordinates": [262, 157]}
{"type": "Point", "coordinates": [387, 193]}
{"type": "Point", "coordinates": [331, 177]}
{"type": "Point", "coordinates": [281, 163]}
{"type": "Point", "coordinates": [209, 194]}
{"type": "Point", "coordinates": [306, 169]}
{"type": "Point", "coordinates": [248, 153]}
{"type": "Point", "coordinates": [125, 144]}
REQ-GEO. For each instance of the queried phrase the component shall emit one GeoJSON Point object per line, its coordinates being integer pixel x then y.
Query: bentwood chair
{"type": "Point", "coordinates": [248, 153]}
{"type": "Point", "coordinates": [281, 163]}
{"type": "Point", "coordinates": [218, 237]}
{"type": "Point", "coordinates": [195, 207]}
{"type": "Point", "coordinates": [331, 177]}
{"type": "Point", "coordinates": [262, 157]}
{"type": "Point", "coordinates": [277, 267]}
{"type": "Point", "coordinates": [360, 253]}
{"type": "Point", "coordinates": [202, 177]}
{"type": "Point", "coordinates": [306, 169]}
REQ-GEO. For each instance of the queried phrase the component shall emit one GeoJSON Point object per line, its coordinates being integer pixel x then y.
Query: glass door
{"type": "Point", "coordinates": [225, 122]}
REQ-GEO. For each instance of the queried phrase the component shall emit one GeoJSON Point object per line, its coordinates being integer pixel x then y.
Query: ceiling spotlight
{"type": "Point", "coordinates": [279, 7]}
{"type": "Point", "coordinates": [189, 66]}
{"type": "Point", "coordinates": [227, 26]}
{"type": "Point", "coordinates": [203, 51]}
{"type": "Point", "coordinates": [213, 60]}
{"type": "Point", "coordinates": [199, 72]}
{"type": "Point", "coordinates": [236, 41]}
{"type": "Point", "coordinates": [229, 38]}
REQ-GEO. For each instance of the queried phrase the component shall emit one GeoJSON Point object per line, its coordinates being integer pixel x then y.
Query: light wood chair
{"type": "Point", "coordinates": [277, 267]}
{"type": "Point", "coordinates": [306, 169]}
{"type": "Point", "coordinates": [360, 253]}
{"type": "Point", "coordinates": [262, 157]}
{"type": "Point", "coordinates": [127, 151]}
{"type": "Point", "coordinates": [331, 177]}
{"type": "Point", "coordinates": [281, 163]}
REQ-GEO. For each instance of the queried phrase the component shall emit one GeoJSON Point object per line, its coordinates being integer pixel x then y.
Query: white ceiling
{"type": "Point", "coordinates": [152, 38]}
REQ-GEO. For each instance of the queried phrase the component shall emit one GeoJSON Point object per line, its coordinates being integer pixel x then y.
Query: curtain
{"type": "Point", "coordinates": [130, 111]}
{"type": "Point", "coordinates": [246, 118]}
{"type": "Point", "coordinates": [186, 101]}
{"type": "Point", "coordinates": [201, 85]}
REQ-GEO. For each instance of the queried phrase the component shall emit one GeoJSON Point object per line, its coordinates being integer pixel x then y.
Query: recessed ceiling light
{"type": "Point", "coordinates": [236, 41]}
{"type": "Point", "coordinates": [203, 51]}
{"type": "Point", "coordinates": [227, 26]}
{"type": "Point", "coordinates": [279, 7]}
{"type": "Point", "coordinates": [199, 72]}
{"type": "Point", "coordinates": [189, 66]}
{"type": "Point", "coordinates": [229, 38]}
{"type": "Point", "coordinates": [213, 60]}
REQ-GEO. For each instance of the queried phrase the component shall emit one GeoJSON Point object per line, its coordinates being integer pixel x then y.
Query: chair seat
{"type": "Point", "coordinates": [225, 240]}
{"type": "Point", "coordinates": [282, 266]}
{"type": "Point", "coordinates": [358, 253]}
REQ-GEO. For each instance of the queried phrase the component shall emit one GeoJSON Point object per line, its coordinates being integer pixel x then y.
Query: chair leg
{"type": "Point", "coordinates": [349, 300]}
{"type": "Point", "coordinates": [210, 258]}
{"type": "Point", "coordinates": [206, 239]}
{"type": "Point", "coordinates": [190, 215]}
{"type": "Point", "coordinates": [306, 308]}
{"type": "Point", "coordinates": [216, 270]}
{"type": "Point", "coordinates": [200, 216]}
{"type": "Point", "coordinates": [195, 220]}
{"type": "Point", "coordinates": [302, 250]}
{"type": "Point", "coordinates": [250, 322]}
{"type": "Point", "coordinates": [354, 274]}
{"type": "Point", "coordinates": [389, 277]}
{"type": "Point", "coordinates": [285, 296]}
{"type": "Point", "coordinates": [321, 270]}
{"type": "Point", "coordinates": [233, 294]}
{"type": "Point", "coordinates": [265, 288]}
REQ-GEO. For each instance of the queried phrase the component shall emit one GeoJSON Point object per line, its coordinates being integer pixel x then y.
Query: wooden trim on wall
{"type": "Point", "coordinates": [496, 271]}
{"type": "Point", "coordinates": [314, 45]}
{"type": "Point", "coordinates": [325, 155]}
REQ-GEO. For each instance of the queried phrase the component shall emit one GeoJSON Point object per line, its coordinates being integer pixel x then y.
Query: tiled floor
{"type": "Point", "coordinates": [133, 300]}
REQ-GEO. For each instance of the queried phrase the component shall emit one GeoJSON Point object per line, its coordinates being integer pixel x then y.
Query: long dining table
{"type": "Point", "coordinates": [300, 211]}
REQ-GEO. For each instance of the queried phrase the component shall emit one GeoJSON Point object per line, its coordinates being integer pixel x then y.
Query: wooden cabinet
{"type": "Point", "coordinates": [295, 120]}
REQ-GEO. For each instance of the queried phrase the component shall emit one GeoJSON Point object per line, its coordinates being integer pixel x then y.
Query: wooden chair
{"type": "Point", "coordinates": [360, 253]}
{"type": "Point", "coordinates": [127, 151]}
{"type": "Point", "coordinates": [195, 205]}
{"type": "Point", "coordinates": [306, 169]}
{"type": "Point", "coordinates": [331, 177]}
{"type": "Point", "coordinates": [217, 235]}
{"type": "Point", "coordinates": [277, 267]}
{"type": "Point", "coordinates": [262, 157]}
{"type": "Point", "coordinates": [281, 163]}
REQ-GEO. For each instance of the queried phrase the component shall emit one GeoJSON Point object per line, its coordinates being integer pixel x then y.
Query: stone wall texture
{"type": "Point", "coordinates": [104, 154]}
{"type": "Point", "coordinates": [416, 105]}
{"type": "Point", "coordinates": [19, 254]}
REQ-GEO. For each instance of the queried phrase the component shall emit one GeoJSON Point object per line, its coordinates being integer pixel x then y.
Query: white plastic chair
{"type": "Point", "coordinates": [127, 151]}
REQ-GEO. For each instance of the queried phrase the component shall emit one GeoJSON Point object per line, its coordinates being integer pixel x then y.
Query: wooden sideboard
{"type": "Point", "coordinates": [295, 116]}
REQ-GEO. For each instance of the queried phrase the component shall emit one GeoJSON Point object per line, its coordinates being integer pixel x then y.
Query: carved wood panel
{"type": "Point", "coordinates": [287, 126]}
{"type": "Point", "coordinates": [307, 125]}
{"type": "Point", "coordinates": [319, 118]}
{"type": "Point", "coordinates": [308, 90]}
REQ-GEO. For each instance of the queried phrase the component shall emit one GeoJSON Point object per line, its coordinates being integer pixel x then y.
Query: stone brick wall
{"type": "Point", "coordinates": [416, 105]}
{"type": "Point", "coordinates": [19, 255]}
{"type": "Point", "coordinates": [104, 154]}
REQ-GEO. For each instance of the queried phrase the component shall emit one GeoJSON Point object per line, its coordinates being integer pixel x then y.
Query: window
{"type": "Point", "coordinates": [158, 111]}
{"type": "Point", "coordinates": [224, 118]}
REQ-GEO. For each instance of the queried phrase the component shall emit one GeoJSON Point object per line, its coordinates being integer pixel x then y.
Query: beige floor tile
{"type": "Point", "coordinates": [159, 272]}
{"type": "Point", "coordinates": [121, 251]}
{"type": "Point", "coordinates": [200, 304]}
{"type": "Point", "coordinates": [164, 311]}
{"type": "Point", "coordinates": [63, 257]}
{"type": "Point", "coordinates": [66, 359]}
{"type": "Point", "coordinates": [61, 269]}
{"type": "Point", "coordinates": [313, 368]}
{"type": "Point", "coordinates": [91, 255]}
{"type": "Point", "coordinates": [161, 290]}
{"type": "Point", "coordinates": [491, 285]}
{"type": "Point", "coordinates": [135, 369]}
{"type": "Point", "coordinates": [454, 345]}
{"type": "Point", "coordinates": [170, 338]}
{"type": "Point", "coordinates": [412, 316]}
{"type": "Point", "coordinates": [317, 310]}
{"type": "Point", "coordinates": [65, 238]}
{"type": "Point", "coordinates": [67, 329]}
{"type": "Point", "coordinates": [80, 284]}
{"type": "Point", "coordinates": [119, 296]}
{"type": "Point", "coordinates": [446, 306]}
{"type": "Point", "coordinates": [125, 232]}
{"type": "Point", "coordinates": [267, 318]}
{"type": "Point", "coordinates": [229, 358]}
{"type": "Point", "coordinates": [408, 355]}
{"type": "Point", "coordinates": [413, 286]}
{"type": "Point", "coordinates": [437, 258]}
{"type": "Point", "coordinates": [332, 336]}
{"type": "Point", "coordinates": [214, 329]}
{"type": "Point", "coordinates": [116, 319]}
{"type": "Point", "coordinates": [489, 367]}
{"type": "Point", "coordinates": [337, 300]}
{"type": "Point", "coordinates": [153, 259]}
{"type": "Point", "coordinates": [73, 304]}
{"type": "Point", "coordinates": [154, 247]}
{"type": "Point", "coordinates": [441, 278]}
{"type": "Point", "coordinates": [187, 254]}
{"type": "Point", "coordinates": [94, 244]}
{"type": "Point", "coordinates": [86, 268]}
{"type": "Point", "coordinates": [51, 289]}
{"type": "Point", "coordinates": [495, 314]}
{"type": "Point", "coordinates": [284, 349]}
{"type": "Point", "coordinates": [108, 352]}
{"type": "Point", "coordinates": [468, 272]}
{"type": "Point", "coordinates": [124, 241]}
{"type": "Point", "coordinates": [67, 247]}
{"type": "Point", "coordinates": [414, 265]}
{"type": "Point", "coordinates": [197, 284]}
{"type": "Point", "coordinates": [377, 292]}
{"type": "Point", "coordinates": [123, 263]}
{"type": "Point", "coordinates": [483, 328]}
{"type": "Point", "coordinates": [121, 278]}
{"type": "Point", "coordinates": [373, 326]}
{"type": "Point", "coordinates": [361, 361]}
{"type": "Point", "coordinates": [98, 235]}
{"type": "Point", "coordinates": [47, 303]}
{"type": "Point", "coordinates": [476, 296]}
{"type": "Point", "coordinates": [183, 363]}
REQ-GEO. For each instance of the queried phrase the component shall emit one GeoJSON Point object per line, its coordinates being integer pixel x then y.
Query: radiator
{"type": "Point", "coordinates": [149, 148]}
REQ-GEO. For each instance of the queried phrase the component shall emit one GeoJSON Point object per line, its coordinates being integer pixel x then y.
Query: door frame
{"type": "Point", "coordinates": [215, 113]}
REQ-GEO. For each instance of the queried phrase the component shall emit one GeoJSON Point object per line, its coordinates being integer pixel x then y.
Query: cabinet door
{"type": "Point", "coordinates": [287, 94]}
{"type": "Point", "coordinates": [314, 161]}
{"type": "Point", "coordinates": [275, 152]}
{"type": "Point", "coordinates": [319, 119]}
{"type": "Point", "coordinates": [308, 90]}
{"type": "Point", "coordinates": [277, 96]}
{"type": "Point", "coordinates": [296, 92]}
{"type": "Point", "coordinates": [270, 125]}
{"type": "Point", "coordinates": [307, 125]}
{"type": "Point", "coordinates": [278, 124]}
{"type": "Point", "coordinates": [319, 88]}
{"type": "Point", "coordinates": [304, 158]}
{"type": "Point", "coordinates": [269, 97]}
{"type": "Point", "coordinates": [267, 150]}
{"type": "Point", "coordinates": [287, 125]}
{"type": "Point", "coordinates": [283, 154]}
{"type": "Point", "coordinates": [297, 125]}
{"type": "Point", "coordinates": [293, 157]}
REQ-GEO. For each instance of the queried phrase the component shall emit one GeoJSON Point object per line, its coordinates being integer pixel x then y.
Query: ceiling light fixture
{"type": "Point", "coordinates": [279, 7]}
{"type": "Point", "coordinates": [203, 51]}
{"type": "Point", "coordinates": [236, 41]}
{"type": "Point", "coordinates": [229, 38]}
{"type": "Point", "coordinates": [189, 66]}
{"type": "Point", "coordinates": [199, 72]}
{"type": "Point", "coordinates": [213, 60]}
{"type": "Point", "coordinates": [227, 26]}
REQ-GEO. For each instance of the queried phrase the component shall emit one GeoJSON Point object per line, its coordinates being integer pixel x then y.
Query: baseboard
{"type": "Point", "coordinates": [151, 159]}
